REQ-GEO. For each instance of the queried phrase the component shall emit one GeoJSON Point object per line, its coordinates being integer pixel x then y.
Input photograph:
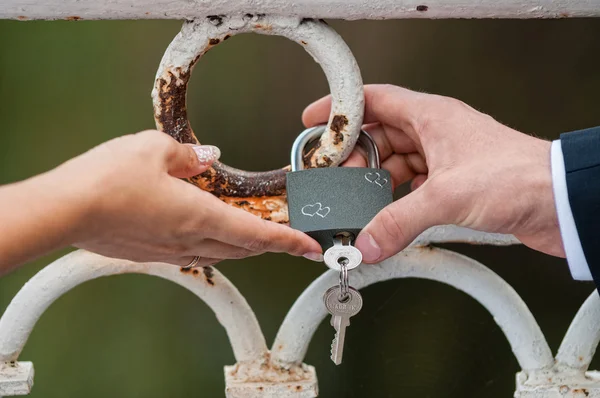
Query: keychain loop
{"type": "Point", "coordinates": [262, 193]}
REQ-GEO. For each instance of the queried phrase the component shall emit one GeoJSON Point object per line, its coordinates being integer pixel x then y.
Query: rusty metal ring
{"type": "Point", "coordinates": [261, 193]}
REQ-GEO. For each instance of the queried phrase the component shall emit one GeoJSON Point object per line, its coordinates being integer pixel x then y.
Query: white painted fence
{"type": "Point", "coordinates": [280, 372]}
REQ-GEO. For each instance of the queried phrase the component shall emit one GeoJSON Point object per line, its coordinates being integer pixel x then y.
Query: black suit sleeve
{"type": "Point", "coordinates": [581, 153]}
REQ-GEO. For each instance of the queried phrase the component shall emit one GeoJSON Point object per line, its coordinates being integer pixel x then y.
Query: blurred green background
{"type": "Point", "coordinates": [67, 86]}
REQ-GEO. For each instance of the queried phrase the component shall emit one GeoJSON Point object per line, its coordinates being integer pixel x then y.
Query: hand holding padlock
{"type": "Point", "coordinates": [327, 202]}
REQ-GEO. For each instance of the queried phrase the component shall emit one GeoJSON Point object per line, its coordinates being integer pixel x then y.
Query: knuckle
{"type": "Point", "coordinates": [258, 244]}
{"type": "Point", "coordinates": [391, 226]}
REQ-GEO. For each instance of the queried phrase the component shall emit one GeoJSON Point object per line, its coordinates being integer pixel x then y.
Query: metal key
{"type": "Point", "coordinates": [342, 254]}
{"type": "Point", "coordinates": [341, 310]}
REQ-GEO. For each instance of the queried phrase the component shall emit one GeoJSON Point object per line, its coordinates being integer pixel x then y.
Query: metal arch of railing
{"type": "Point", "coordinates": [17, 322]}
{"type": "Point", "coordinates": [498, 297]}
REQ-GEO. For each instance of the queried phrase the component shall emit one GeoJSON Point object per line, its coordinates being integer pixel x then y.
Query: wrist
{"type": "Point", "coordinates": [66, 201]}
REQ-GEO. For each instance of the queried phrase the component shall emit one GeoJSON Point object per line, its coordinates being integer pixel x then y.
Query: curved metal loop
{"type": "Point", "coordinates": [498, 297]}
{"type": "Point", "coordinates": [581, 340]}
{"type": "Point", "coordinates": [298, 158]}
{"type": "Point", "coordinates": [230, 307]}
{"type": "Point", "coordinates": [262, 193]}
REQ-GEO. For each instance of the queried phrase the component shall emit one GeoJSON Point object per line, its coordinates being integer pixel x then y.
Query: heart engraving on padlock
{"type": "Point", "coordinates": [376, 178]}
{"type": "Point", "coordinates": [316, 209]}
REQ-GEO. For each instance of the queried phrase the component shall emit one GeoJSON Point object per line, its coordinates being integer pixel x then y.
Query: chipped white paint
{"type": "Point", "coordinates": [342, 9]}
{"type": "Point", "coordinates": [261, 379]}
{"type": "Point", "coordinates": [579, 345]}
{"type": "Point", "coordinates": [44, 288]}
{"type": "Point", "coordinates": [500, 299]}
{"type": "Point", "coordinates": [455, 234]}
{"type": "Point", "coordinates": [323, 43]}
{"type": "Point", "coordinates": [558, 383]}
{"type": "Point", "coordinates": [16, 378]}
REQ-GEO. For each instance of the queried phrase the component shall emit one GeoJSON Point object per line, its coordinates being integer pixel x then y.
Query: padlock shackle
{"type": "Point", "coordinates": [307, 136]}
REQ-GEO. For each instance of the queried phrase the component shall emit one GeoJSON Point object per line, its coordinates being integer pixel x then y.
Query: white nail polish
{"type": "Point", "coordinates": [207, 153]}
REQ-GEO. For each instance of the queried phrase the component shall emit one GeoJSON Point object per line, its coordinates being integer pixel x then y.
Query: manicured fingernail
{"type": "Point", "coordinates": [368, 247]}
{"type": "Point", "coordinates": [207, 153]}
{"type": "Point", "coordinates": [314, 256]}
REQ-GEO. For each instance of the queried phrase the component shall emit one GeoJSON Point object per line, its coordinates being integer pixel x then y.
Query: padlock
{"type": "Point", "coordinates": [330, 202]}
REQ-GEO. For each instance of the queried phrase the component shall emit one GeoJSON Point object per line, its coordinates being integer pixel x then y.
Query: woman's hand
{"type": "Point", "coordinates": [466, 169]}
{"type": "Point", "coordinates": [124, 199]}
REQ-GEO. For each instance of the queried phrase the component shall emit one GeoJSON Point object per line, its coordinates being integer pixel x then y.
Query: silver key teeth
{"type": "Point", "coordinates": [333, 344]}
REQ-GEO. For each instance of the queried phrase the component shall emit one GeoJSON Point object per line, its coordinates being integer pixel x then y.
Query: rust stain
{"type": "Point", "coordinates": [298, 388]}
{"type": "Point", "coordinates": [581, 391]}
{"type": "Point", "coordinates": [185, 270]}
{"type": "Point", "coordinates": [339, 123]}
{"type": "Point", "coordinates": [195, 272]}
{"type": "Point", "coordinates": [209, 273]}
{"type": "Point", "coordinates": [580, 359]}
{"type": "Point", "coordinates": [303, 42]}
{"type": "Point", "coordinates": [224, 181]}
{"type": "Point", "coordinates": [422, 8]}
{"type": "Point", "coordinates": [214, 42]}
{"type": "Point", "coordinates": [73, 18]}
{"type": "Point", "coordinates": [172, 115]}
{"type": "Point", "coordinates": [325, 162]}
{"type": "Point", "coordinates": [22, 18]}
{"type": "Point", "coordinates": [260, 388]}
{"type": "Point", "coordinates": [226, 37]}
{"type": "Point", "coordinates": [267, 28]}
{"type": "Point", "coordinates": [216, 20]}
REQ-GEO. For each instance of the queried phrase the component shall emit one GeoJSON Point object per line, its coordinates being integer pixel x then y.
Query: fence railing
{"type": "Point", "coordinates": [280, 371]}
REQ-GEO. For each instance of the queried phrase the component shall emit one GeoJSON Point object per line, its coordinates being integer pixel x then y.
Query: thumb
{"type": "Point", "coordinates": [397, 225]}
{"type": "Point", "coordinates": [190, 160]}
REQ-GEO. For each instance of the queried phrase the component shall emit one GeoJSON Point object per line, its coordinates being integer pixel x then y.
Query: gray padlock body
{"type": "Point", "coordinates": [323, 202]}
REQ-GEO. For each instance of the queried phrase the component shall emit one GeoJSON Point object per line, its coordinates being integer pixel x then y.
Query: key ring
{"type": "Point", "coordinates": [344, 284]}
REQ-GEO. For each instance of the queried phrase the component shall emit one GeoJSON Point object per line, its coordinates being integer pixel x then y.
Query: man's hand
{"type": "Point", "coordinates": [466, 169]}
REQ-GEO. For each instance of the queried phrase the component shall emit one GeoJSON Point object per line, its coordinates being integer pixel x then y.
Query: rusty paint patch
{"type": "Point", "coordinates": [22, 18]}
{"type": "Point", "coordinates": [267, 28]}
{"type": "Point", "coordinates": [422, 8]}
{"type": "Point", "coordinates": [208, 274]}
{"type": "Point", "coordinates": [214, 42]}
{"type": "Point", "coordinates": [172, 115]}
{"type": "Point", "coordinates": [339, 123]}
{"type": "Point", "coordinates": [225, 181]}
{"type": "Point", "coordinates": [581, 391]}
{"type": "Point", "coordinates": [73, 18]}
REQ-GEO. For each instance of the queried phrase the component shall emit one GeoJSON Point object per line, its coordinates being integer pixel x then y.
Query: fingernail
{"type": "Point", "coordinates": [207, 153]}
{"type": "Point", "coordinates": [314, 256]}
{"type": "Point", "coordinates": [368, 247]}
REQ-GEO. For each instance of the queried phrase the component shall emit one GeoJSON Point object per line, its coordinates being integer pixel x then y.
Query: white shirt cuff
{"type": "Point", "coordinates": [568, 231]}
